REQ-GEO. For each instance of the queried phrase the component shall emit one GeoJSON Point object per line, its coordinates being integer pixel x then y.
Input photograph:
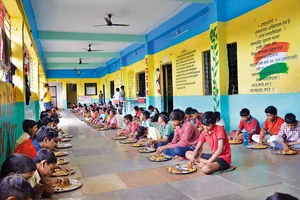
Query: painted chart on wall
{"type": "Point", "coordinates": [272, 56]}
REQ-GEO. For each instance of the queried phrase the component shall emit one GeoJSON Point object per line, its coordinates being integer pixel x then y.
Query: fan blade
{"type": "Point", "coordinates": [97, 50]}
{"type": "Point", "coordinates": [121, 25]}
{"type": "Point", "coordinates": [85, 49]}
{"type": "Point", "coordinates": [108, 21]}
{"type": "Point", "coordinates": [100, 25]}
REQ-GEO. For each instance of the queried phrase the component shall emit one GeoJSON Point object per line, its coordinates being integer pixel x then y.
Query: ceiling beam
{"type": "Point", "coordinates": [81, 54]}
{"type": "Point", "coordinates": [72, 65]}
{"type": "Point", "coordinates": [197, 1]}
{"type": "Point", "coordinates": [101, 37]}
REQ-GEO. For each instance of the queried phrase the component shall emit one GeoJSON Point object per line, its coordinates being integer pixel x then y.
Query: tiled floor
{"type": "Point", "coordinates": [112, 171]}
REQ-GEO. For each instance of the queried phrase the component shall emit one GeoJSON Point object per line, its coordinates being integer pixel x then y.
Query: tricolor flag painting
{"type": "Point", "coordinates": [272, 59]}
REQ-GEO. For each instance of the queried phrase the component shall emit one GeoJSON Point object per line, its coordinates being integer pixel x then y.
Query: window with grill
{"type": "Point", "coordinates": [207, 73]}
{"type": "Point", "coordinates": [233, 69]}
{"type": "Point", "coordinates": [141, 84]}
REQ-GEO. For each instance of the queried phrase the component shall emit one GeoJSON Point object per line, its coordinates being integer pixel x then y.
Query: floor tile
{"type": "Point", "coordinates": [229, 197]}
{"type": "Point", "coordinates": [161, 192]}
{"type": "Point", "coordinates": [264, 192]}
{"type": "Point", "coordinates": [102, 184]}
{"type": "Point", "coordinates": [205, 187]}
{"type": "Point", "coordinates": [73, 194]}
{"type": "Point", "coordinates": [252, 178]}
{"type": "Point", "coordinates": [86, 152]}
{"type": "Point", "coordinates": [77, 174]}
{"type": "Point", "coordinates": [105, 196]}
{"type": "Point", "coordinates": [97, 169]}
{"type": "Point", "coordinates": [141, 178]}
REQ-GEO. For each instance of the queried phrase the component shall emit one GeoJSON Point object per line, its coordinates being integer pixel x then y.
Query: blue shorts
{"type": "Point", "coordinates": [48, 105]}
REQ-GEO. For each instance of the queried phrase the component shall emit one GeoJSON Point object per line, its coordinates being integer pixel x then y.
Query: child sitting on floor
{"type": "Point", "coordinates": [132, 126]}
{"type": "Point", "coordinates": [15, 187]}
{"type": "Point", "coordinates": [112, 123]}
{"type": "Point", "coordinates": [145, 119]}
{"type": "Point", "coordinates": [29, 128]}
{"type": "Point", "coordinates": [220, 121]}
{"type": "Point", "coordinates": [46, 163]}
{"type": "Point", "coordinates": [247, 123]}
{"type": "Point", "coordinates": [45, 138]}
{"type": "Point", "coordinates": [289, 135]}
{"type": "Point", "coordinates": [18, 163]}
{"type": "Point", "coordinates": [188, 116]}
{"type": "Point", "coordinates": [196, 119]}
{"type": "Point", "coordinates": [154, 113]}
{"type": "Point", "coordinates": [137, 115]}
{"type": "Point", "coordinates": [144, 134]}
{"type": "Point", "coordinates": [216, 137]}
{"type": "Point", "coordinates": [166, 131]}
{"type": "Point", "coordinates": [103, 116]}
{"type": "Point", "coordinates": [271, 127]}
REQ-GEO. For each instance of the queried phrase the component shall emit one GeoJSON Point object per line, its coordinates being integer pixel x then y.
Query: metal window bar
{"type": "Point", "coordinates": [233, 68]}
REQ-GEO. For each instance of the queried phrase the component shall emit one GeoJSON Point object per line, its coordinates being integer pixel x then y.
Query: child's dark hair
{"type": "Point", "coordinates": [188, 110]}
{"type": "Point", "coordinates": [141, 132]}
{"type": "Point", "coordinates": [122, 87]}
{"type": "Point", "coordinates": [27, 124]}
{"type": "Point", "coordinates": [17, 163]}
{"type": "Point", "coordinates": [218, 115]}
{"type": "Point", "coordinates": [177, 114]}
{"type": "Point", "coordinates": [208, 118]}
{"type": "Point", "coordinates": [281, 196]}
{"type": "Point", "coordinates": [118, 89]}
{"type": "Point", "coordinates": [113, 111]}
{"type": "Point", "coordinates": [128, 117]}
{"type": "Point", "coordinates": [290, 118]}
{"type": "Point", "coordinates": [271, 109]}
{"type": "Point", "coordinates": [55, 120]}
{"type": "Point", "coordinates": [150, 107]}
{"type": "Point", "coordinates": [97, 109]}
{"type": "Point", "coordinates": [193, 111]}
{"type": "Point", "coordinates": [46, 120]}
{"type": "Point", "coordinates": [136, 108]}
{"type": "Point", "coordinates": [45, 154]}
{"type": "Point", "coordinates": [43, 114]}
{"type": "Point", "coordinates": [46, 132]}
{"type": "Point", "coordinates": [48, 110]}
{"type": "Point", "coordinates": [146, 114]}
{"type": "Point", "coordinates": [104, 109]}
{"type": "Point", "coordinates": [142, 109]}
{"type": "Point", "coordinates": [16, 186]}
{"type": "Point", "coordinates": [164, 116]}
{"type": "Point", "coordinates": [244, 112]}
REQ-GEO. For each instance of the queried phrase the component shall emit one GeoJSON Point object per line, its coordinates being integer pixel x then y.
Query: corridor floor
{"type": "Point", "coordinates": [112, 171]}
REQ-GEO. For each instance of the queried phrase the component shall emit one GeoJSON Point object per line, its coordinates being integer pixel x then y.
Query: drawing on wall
{"type": "Point", "coordinates": [157, 74]}
{"type": "Point", "coordinates": [215, 67]}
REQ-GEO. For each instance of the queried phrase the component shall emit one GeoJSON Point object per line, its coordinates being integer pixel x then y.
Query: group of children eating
{"type": "Point", "coordinates": [26, 173]}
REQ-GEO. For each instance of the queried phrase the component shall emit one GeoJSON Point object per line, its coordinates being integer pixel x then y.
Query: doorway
{"type": "Point", "coordinates": [168, 104]}
{"type": "Point", "coordinates": [71, 94]}
{"type": "Point", "coordinates": [103, 93]}
{"type": "Point", "coordinates": [112, 89]}
{"type": "Point", "coordinates": [53, 92]}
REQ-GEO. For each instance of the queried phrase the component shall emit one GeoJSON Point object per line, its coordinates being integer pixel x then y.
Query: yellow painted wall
{"type": "Point", "coordinates": [245, 29]}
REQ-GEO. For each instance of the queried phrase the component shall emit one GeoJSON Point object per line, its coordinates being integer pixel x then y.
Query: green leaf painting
{"type": "Point", "coordinates": [215, 67]}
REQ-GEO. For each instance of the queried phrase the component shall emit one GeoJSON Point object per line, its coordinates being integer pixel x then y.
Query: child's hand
{"type": "Point", "coordinates": [66, 180]}
{"type": "Point", "coordinates": [191, 163]}
{"type": "Point", "coordinates": [55, 182]}
{"type": "Point", "coordinates": [66, 169]}
{"type": "Point", "coordinates": [159, 150]}
{"type": "Point", "coordinates": [201, 164]}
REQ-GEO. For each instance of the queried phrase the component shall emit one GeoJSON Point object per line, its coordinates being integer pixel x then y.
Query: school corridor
{"type": "Point", "coordinates": [113, 171]}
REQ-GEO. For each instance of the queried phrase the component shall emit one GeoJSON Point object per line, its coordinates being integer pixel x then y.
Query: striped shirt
{"type": "Point", "coordinates": [289, 135]}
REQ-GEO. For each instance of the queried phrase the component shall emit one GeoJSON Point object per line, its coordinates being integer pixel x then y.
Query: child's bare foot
{"type": "Point", "coordinates": [180, 158]}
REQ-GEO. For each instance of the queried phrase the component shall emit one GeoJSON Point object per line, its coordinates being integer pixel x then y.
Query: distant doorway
{"type": "Point", "coordinates": [71, 94]}
{"type": "Point", "coordinates": [168, 104]}
{"type": "Point", "coordinates": [112, 89]}
{"type": "Point", "coordinates": [103, 93]}
{"type": "Point", "coordinates": [53, 92]}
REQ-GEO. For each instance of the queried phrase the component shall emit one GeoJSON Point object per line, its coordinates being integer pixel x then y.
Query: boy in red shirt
{"type": "Point", "coordinates": [247, 123]}
{"type": "Point", "coordinates": [216, 137]}
{"type": "Point", "coordinates": [271, 127]}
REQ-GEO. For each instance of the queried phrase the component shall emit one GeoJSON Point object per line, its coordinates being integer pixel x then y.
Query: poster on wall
{"type": "Point", "coordinates": [85, 99]}
{"type": "Point", "coordinates": [273, 56]}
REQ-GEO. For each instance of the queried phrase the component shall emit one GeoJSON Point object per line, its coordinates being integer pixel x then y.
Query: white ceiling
{"type": "Point", "coordinates": [81, 16]}
{"type": "Point", "coordinates": [77, 46]}
{"type": "Point", "coordinates": [76, 60]}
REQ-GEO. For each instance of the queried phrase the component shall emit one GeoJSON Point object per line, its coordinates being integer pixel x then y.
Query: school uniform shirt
{"type": "Point", "coordinates": [22, 138]}
{"type": "Point", "coordinates": [153, 133]}
{"type": "Point", "coordinates": [251, 125]}
{"type": "Point", "coordinates": [166, 130]}
{"type": "Point", "coordinates": [27, 148]}
{"type": "Point", "coordinates": [113, 122]}
{"type": "Point", "coordinates": [212, 139]}
{"type": "Point", "coordinates": [273, 127]}
{"type": "Point", "coordinates": [117, 96]}
{"type": "Point", "coordinates": [147, 123]}
{"type": "Point", "coordinates": [122, 95]}
{"type": "Point", "coordinates": [289, 135]}
{"type": "Point", "coordinates": [138, 113]}
{"type": "Point", "coordinates": [132, 126]}
{"type": "Point", "coordinates": [198, 123]}
{"type": "Point", "coordinates": [187, 135]}
{"type": "Point", "coordinates": [48, 96]}
{"type": "Point", "coordinates": [221, 123]}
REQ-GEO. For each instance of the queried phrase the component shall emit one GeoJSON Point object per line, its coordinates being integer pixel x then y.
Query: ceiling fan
{"type": "Point", "coordinates": [81, 62]}
{"type": "Point", "coordinates": [109, 22]}
{"type": "Point", "coordinates": [90, 49]}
